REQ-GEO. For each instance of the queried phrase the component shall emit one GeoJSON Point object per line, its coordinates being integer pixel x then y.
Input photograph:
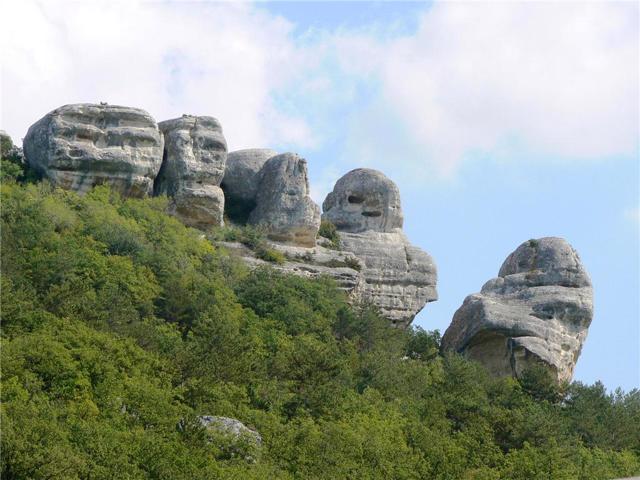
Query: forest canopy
{"type": "Point", "coordinates": [120, 326]}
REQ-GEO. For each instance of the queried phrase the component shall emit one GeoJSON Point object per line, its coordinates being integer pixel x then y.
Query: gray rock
{"type": "Point", "coordinates": [82, 145]}
{"type": "Point", "coordinates": [538, 310]}
{"type": "Point", "coordinates": [364, 199]}
{"type": "Point", "coordinates": [344, 267]}
{"type": "Point", "coordinates": [241, 181]}
{"type": "Point", "coordinates": [195, 154]}
{"type": "Point", "coordinates": [399, 278]}
{"type": "Point", "coordinates": [283, 205]}
{"type": "Point", "coordinates": [245, 442]}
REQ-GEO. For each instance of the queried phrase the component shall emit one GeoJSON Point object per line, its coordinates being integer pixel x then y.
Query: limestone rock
{"type": "Point", "coordinates": [399, 278]}
{"type": "Point", "coordinates": [82, 145]}
{"type": "Point", "coordinates": [537, 310]}
{"type": "Point", "coordinates": [195, 154]}
{"type": "Point", "coordinates": [283, 205]}
{"type": "Point", "coordinates": [241, 181]}
{"type": "Point", "coordinates": [344, 267]}
{"type": "Point", "coordinates": [364, 199]}
{"type": "Point", "coordinates": [245, 442]}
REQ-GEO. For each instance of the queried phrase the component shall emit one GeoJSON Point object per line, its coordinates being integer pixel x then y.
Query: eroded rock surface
{"type": "Point", "coordinates": [283, 205]}
{"type": "Point", "coordinates": [242, 179]}
{"type": "Point", "coordinates": [344, 267]}
{"type": "Point", "coordinates": [364, 199]}
{"type": "Point", "coordinates": [82, 145]}
{"type": "Point", "coordinates": [399, 278]}
{"type": "Point", "coordinates": [195, 155]}
{"type": "Point", "coordinates": [538, 310]}
{"type": "Point", "coordinates": [245, 442]}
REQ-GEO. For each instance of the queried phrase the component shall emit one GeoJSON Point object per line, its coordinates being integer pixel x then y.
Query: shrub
{"type": "Point", "coordinates": [329, 231]}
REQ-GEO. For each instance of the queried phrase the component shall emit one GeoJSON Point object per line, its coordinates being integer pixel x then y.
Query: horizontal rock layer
{"type": "Point", "coordinates": [83, 145]}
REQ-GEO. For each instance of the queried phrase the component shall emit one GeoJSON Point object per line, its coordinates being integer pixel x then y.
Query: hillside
{"type": "Point", "coordinates": [121, 328]}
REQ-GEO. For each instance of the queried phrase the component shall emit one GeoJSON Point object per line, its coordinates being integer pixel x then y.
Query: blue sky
{"type": "Point", "coordinates": [499, 121]}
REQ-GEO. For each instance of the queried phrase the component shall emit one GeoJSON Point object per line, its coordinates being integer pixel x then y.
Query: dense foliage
{"type": "Point", "coordinates": [120, 325]}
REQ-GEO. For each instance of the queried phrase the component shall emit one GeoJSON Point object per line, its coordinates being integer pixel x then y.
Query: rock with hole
{"type": "Point", "coordinates": [399, 278]}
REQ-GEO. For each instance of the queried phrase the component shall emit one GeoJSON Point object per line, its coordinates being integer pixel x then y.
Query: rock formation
{"type": "Point", "coordinates": [362, 200]}
{"type": "Point", "coordinates": [241, 181]}
{"type": "Point", "coordinates": [195, 154]}
{"type": "Point", "coordinates": [399, 278]}
{"type": "Point", "coordinates": [283, 205]}
{"type": "Point", "coordinates": [537, 310]}
{"type": "Point", "coordinates": [82, 145]}
{"type": "Point", "coordinates": [245, 442]}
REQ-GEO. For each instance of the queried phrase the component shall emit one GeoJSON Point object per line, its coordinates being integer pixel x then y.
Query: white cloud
{"type": "Point", "coordinates": [218, 59]}
{"type": "Point", "coordinates": [558, 79]}
{"type": "Point", "coordinates": [633, 215]}
{"type": "Point", "coordinates": [506, 79]}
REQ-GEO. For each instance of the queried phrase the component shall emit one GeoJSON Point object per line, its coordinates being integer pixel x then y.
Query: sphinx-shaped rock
{"type": "Point", "coordinates": [82, 145]}
{"type": "Point", "coordinates": [195, 154]}
{"type": "Point", "coordinates": [537, 310]}
{"type": "Point", "coordinates": [283, 205]}
{"type": "Point", "coordinates": [399, 278]}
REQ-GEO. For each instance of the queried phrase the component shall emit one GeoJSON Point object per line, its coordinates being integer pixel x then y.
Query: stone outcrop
{"type": "Point", "coordinates": [344, 267]}
{"type": "Point", "coordinates": [399, 278]}
{"type": "Point", "coordinates": [245, 442]}
{"type": "Point", "coordinates": [82, 145]}
{"type": "Point", "coordinates": [283, 205]}
{"type": "Point", "coordinates": [242, 179]}
{"type": "Point", "coordinates": [364, 199]}
{"type": "Point", "coordinates": [537, 310]}
{"type": "Point", "coordinates": [195, 155]}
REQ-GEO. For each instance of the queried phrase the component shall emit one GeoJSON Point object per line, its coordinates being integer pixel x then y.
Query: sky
{"type": "Point", "coordinates": [499, 121]}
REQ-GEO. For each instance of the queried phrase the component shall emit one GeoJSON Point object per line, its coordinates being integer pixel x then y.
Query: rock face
{"type": "Point", "coordinates": [82, 145]}
{"type": "Point", "coordinates": [537, 310]}
{"type": "Point", "coordinates": [398, 278]}
{"type": "Point", "coordinates": [364, 199]}
{"type": "Point", "coordinates": [283, 205]}
{"type": "Point", "coordinates": [242, 179]}
{"type": "Point", "coordinates": [195, 155]}
{"type": "Point", "coordinates": [344, 267]}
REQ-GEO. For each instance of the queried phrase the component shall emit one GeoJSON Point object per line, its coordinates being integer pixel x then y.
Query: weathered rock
{"type": "Point", "coordinates": [344, 267]}
{"type": "Point", "coordinates": [241, 181]}
{"type": "Point", "coordinates": [195, 154]}
{"type": "Point", "coordinates": [283, 205]}
{"type": "Point", "coordinates": [399, 279]}
{"type": "Point", "coordinates": [245, 442]}
{"type": "Point", "coordinates": [537, 310]}
{"type": "Point", "coordinates": [364, 199]}
{"type": "Point", "coordinates": [82, 145]}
